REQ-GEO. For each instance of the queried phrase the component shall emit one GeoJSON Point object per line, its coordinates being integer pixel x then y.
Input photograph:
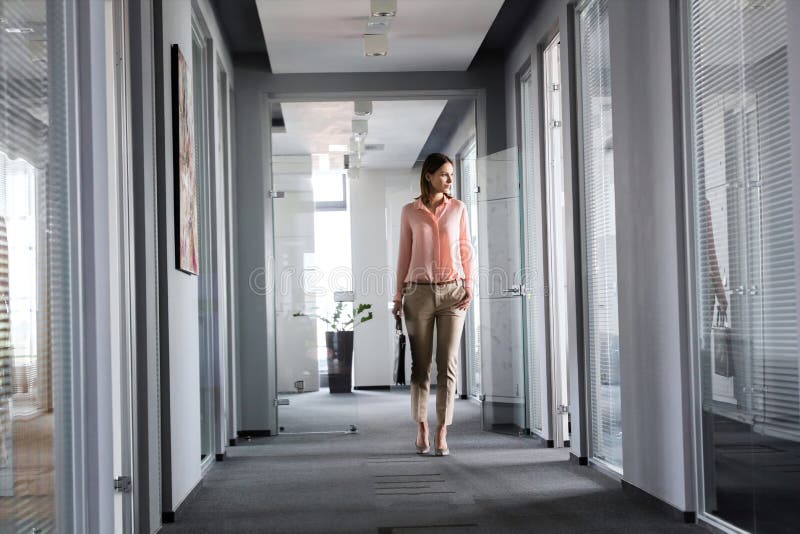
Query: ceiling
{"type": "Point", "coordinates": [401, 126]}
{"type": "Point", "coordinates": [317, 36]}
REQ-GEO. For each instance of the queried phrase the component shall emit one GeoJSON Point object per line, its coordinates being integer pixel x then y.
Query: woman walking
{"type": "Point", "coordinates": [434, 287]}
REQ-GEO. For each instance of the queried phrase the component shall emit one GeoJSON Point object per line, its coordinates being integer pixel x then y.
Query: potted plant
{"type": "Point", "coordinates": [339, 341]}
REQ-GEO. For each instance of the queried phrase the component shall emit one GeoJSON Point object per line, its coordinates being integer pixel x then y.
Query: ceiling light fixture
{"type": "Point", "coordinates": [383, 8]}
{"type": "Point", "coordinates": [362, 108]}
{"type": "Point", "coordinates": [376, 44]}
{"type": "Point", "coordinates": [19, 30]}
{"type": "Point", "coordinates": [379, 24]}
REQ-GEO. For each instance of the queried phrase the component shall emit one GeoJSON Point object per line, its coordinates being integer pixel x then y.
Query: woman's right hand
{"type": "Point", "coordinates": [397, 309]}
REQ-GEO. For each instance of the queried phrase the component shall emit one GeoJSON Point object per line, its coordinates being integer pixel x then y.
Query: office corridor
{"type": "Point", "coordinates": [372, 481]}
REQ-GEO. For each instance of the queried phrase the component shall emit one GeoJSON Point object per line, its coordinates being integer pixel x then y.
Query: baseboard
{"type": "Point", "coordinates": [232, 442]}
{"type": "Point", "coordinates": [373, 388]}
{"type": "Point", "coordinates": [677, 514]}
{"type": "Point", "coordinates": [220, 457]}
{"type": "Point", "coordinates": [580, 460]}
{"type": "Point", "coordinates": [254, 433]}
{"type": "Point", "coordinates": [170, 516]}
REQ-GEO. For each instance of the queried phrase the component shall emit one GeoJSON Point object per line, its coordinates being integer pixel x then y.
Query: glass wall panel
{"type": "Point", "coordinates": [34, 274]}
{"type": "Point", "coordinates": [600, 235]}
{"type": "Point", "coordinates": [745, 262]}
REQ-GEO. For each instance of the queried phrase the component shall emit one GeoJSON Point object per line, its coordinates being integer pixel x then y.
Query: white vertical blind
{"type": "Point", "coordinates": [469, 183]}
{"type": "Point", "coordinates": [600, 234]}
{"type": "Point", "coordinates": [744, 217]}
{"type": "Point", "coordinates": [534, 298]}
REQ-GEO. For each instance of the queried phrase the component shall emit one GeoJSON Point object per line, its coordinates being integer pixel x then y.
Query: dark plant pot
{"type": "Point", "coordinates": [340, 361]}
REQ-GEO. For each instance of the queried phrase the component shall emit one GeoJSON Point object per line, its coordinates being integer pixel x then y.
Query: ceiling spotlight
{"type": "Point", "coordinates": [355, 145]}
{"type": "Point", "coordinates": [360, 127]}
{"type": "Point", "coordinates": [376, 45]}
{"type": "Point", "coordinates": [363, 108]}
{"type": "Point", "coordinates": [379, 24]}
{"type": "Point", "coordinates": [383, 8]}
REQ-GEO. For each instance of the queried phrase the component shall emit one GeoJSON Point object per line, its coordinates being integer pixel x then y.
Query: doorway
{"type": "Point", "coordinates": [341, 171]}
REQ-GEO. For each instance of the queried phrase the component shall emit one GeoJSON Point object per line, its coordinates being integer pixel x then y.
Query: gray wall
{"type": "Point", "coordinates": [650, 256]}
{"type": "Point", "coordinates": [254, 244]}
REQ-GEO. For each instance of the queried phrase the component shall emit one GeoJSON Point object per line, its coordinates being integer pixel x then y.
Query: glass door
{"type": "Point", "coordinates": [499, 292]}
{"type": "Point", "coordinates": [313, 293]}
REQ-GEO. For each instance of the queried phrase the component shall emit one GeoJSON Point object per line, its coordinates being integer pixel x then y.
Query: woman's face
{"type": "Point", "coordinates": [442, 180]}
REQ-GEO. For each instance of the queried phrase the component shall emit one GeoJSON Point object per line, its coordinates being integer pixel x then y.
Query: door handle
{"type": "Point", "coordinates": [516, 290]}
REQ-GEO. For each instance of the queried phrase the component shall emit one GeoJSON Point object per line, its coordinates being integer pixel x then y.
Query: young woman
{"type": "Point", "coordinates": [434, 287]}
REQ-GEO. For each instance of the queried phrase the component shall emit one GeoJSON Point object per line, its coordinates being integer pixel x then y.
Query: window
{"type": "Point", "coordinates": [469, 185]}
{"type": "Point", "coordinates": [534, 317]}
{"type": "Point", "coordinates": [36, 320]}
{"type": "Point", "coordinates": [745, 253]}
{"type": "Point", "coordinates": [605, 440]}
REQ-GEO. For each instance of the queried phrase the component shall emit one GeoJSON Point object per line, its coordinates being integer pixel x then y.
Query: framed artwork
{"type": "Point", "coordinates": [184, 165]}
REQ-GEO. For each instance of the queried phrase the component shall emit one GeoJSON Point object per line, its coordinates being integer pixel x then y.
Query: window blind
{"type": "Point", "coordinates": [600, 234]}
{"type": "Point", "coordinates": [745, 248]}
{"type": "Point", "coordinates": [534, 299]}
{"type": "Point", "coordinates": [469, 182]}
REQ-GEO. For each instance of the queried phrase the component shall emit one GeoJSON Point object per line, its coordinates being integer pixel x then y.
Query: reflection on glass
{"type": "Point", "coordinates": [600, 236]}
{"type": "Point", "coordinates": [746, 273]}
{"type": "Point", "coordinates": [500, 281]}
{"type": "Point", "coordinates": [27, 473]}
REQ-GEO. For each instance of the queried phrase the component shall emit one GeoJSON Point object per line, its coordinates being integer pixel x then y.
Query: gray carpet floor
{"type": "Point", "coordinates": [372, 481]}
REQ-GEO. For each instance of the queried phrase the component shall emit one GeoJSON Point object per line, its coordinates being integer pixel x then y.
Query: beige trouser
{"type": "Point", "coordinates": [423, 306]}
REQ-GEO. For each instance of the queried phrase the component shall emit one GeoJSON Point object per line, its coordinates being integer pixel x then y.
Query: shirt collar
{"type": "Point", "coordinates": [420, 206]}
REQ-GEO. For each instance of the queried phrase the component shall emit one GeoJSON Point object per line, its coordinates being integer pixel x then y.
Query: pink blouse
{"type": "Point", "coordinates": [434, 248]}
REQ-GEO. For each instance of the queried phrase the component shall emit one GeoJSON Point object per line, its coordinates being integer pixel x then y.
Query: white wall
{"type": "Point", "coordinates": [181, 289]}
{"type": "Point", "coordinates": [401, 188]}
{"type": "Point", "coordinates": [372, 341]}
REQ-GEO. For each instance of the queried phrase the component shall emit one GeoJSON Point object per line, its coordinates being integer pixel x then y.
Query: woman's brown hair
{"type": "Point", "coordinates": [430, 166]}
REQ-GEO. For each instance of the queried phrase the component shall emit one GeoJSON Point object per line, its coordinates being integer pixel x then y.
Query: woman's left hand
{"type": "Point", "coordinates": [463, 304]}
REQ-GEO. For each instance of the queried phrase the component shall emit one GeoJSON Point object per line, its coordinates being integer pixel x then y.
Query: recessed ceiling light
{"type": "Point", "coordinates": [376, 45]}
{"type": "Point", "coordinates": [383, 8]}
{"type": "Point", "coordinates": [338, 148]}
{"type": "Point", "coordinates": [19, 30]}
{"type": "Point", "coordinates": [362, 108]}
{"type": "Point", "coordinates": [379, 24]}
